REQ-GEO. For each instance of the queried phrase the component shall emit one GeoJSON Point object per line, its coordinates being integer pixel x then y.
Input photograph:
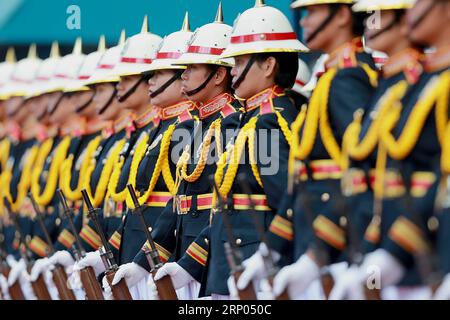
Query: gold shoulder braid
{"type": "Point", "coordinates": [141, 146]}
{"type": "Point", "coordinates": [360, 150]}
{"type": "Point", "coordinates": [43, 198]}
{"type": "Point", "coordinates": [25, 180]}
{"type": "Point", "coordinates": [435, 93]}
{"type": "Point", "coordinates": [214, 130]}
{"type": "Point", "coordinates": [111, 160]}
{"type": "Point", "coordinates": [161, 166]}
{"type": "Point", "coordinates": [5, 146]}
{"type": "Point", "coordinates": [66, 171]}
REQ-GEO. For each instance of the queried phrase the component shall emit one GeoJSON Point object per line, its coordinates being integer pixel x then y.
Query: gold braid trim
{"type": "Point", "coordinates": [305, 145]}
{"type": "Point", "coordinates": [296, 126]}
{"type": "Point", "coordinates": [102, 185]}
{"type": "Point", "coordinates": [214, 130]}
{"type": "Point", "coordinates": [43, 198]}
{"type": "Point", "coordinates": [247, 131]}
{"type": "Point", "coordinates": [284, 127]}
{"type": "Point", "coordinates": [360, 150]}
{"type": "Point", "coordinates": [66, 171]}
{"type": "Point", "coordinates": [441, 114]}
{"type": "Point", "coordinates": [24, 183]}
{"type": "Point", "coordinates": [5, 146]}
{"type": "Point", "coordinates": [400, 148]}
{"type": "Point", "coordinates": [371, 74]}
{"type": "Point", "coordinates": [160, 166]}
{"type": "Point", "coordinates": [121, 196]}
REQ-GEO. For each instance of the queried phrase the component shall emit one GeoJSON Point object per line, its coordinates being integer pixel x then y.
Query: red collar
{"type": "Point", "coordinates": [150, 116]}
{"type": "Point", "coordinates": [437, 60]}
{"type": "Point", "coordinates": [14, 131]}
{"type": "Point", "coordinates": [215, 105]}
{"type": "Point", "coordinates": [176, 109]}
{"type": "Point", "coordinates": [345, 55]}
{"type": "Point", "coordinates": [127, 123]}
{"type": "Point", "coordinates": [265, 95]}
{"type": "Point", "coordinates": [407, 61]}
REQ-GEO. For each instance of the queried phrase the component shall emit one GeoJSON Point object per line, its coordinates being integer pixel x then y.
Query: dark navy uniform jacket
{"type": "Point", "coordinates": [174, 231]}
{"type": "Point", "coordinates": [310, 216]}
{"type": "Point", "coordinates": [205, 258]}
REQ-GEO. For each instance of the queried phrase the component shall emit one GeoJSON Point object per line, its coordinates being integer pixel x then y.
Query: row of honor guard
{"type": "Point", "coordinates": [146, 165]}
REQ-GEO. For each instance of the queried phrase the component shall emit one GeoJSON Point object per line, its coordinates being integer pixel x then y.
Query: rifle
{"type": "Point", "coordinates": [120, 290]}
{"type": "Point", "coordinates": [88, 279]}
{"type": "Point", "coordinates": [232, 252]}
{"type": "Point", "coordinates": [271, 268]}
{"type": "Point", "coordinates": [59, 274]}
{"type": "Point", "coordinates": [39, 286]}
{"type": "Point", "coordinates": [164, 285]}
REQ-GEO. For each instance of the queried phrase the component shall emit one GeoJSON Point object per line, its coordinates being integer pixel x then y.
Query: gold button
{"type": "Point", "coordinates": [343, 221]}
{"type": "Point", "coordinates": [238, 241]}
{"type": "Point", "coordinates": [206, 241]}
{"type": "Point", "coordinates": [289, 213]}
{"type": "Point", "coordinates": [433, 224]}
{"type": "Point", "coordinates": [325, 197]}
{"type": "Point", "coordinates": [58, 221]}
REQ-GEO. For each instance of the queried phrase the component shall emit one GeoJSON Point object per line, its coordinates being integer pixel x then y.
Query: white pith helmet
{"type": "Point", "coordinates": [172, 47]}
{"type": "Point", "coordinates": [138, 52]}
{"type": "Point", "coordinates": [262, 29]}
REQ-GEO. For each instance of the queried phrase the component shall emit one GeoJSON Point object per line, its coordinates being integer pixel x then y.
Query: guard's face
{"type": "Point", "coordinates": [388, 39]}
{"type": "Point", "coordinates": [247, 87]}
{"type": "Point", "coordinates": [83, 98]}
{"type": "Point", "coordinates": [428, 30]}
{"type": "Point", "coordinates": [192, 78]}
{"type": "Point", "coordinates": [103, 93]}
{"type": "Point", "coordinates": [314, 17]}
{"type": "Point", "coordinates": [12, 105]}
{"type": "Point", "coordinates": [138, 98]}
{"type": "Point", "coordinates": [171, 95]}
{"type": "Point", "coordinates": [40, 105]}
{"type": "Point", "coordinates": [65, 109]}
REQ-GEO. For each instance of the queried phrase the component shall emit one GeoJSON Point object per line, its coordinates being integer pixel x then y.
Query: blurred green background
{"type": "Point", "coordinates": [42, 21]}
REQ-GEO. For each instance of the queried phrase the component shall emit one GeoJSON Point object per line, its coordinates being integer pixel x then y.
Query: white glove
{"type": "Point", "coordinates": [75, 280]}
{"type": "Point", "coordinates": [296, 277]}
{"type": "Point", "coordinates": [92, 259]}
{"type": "Point", "coordinates": [381, 269]}
{"type": "Point", "coordinates": [443, 292]}
{"type": "Point", "coordinates": [4, 287]}
{"type": "Point", "coordinates": [63, 258]}
{"type": "Point", "coordinates": [16, 272]}
{"type": "Point", "coordinates": [234, 294]}
{"type": "Point", "coordinates": [255, 269]}
{"type": "Point", "coordinates": [39, 267]}
{"type": "Point", "coordinates": [11, 260]}
{"type": "Point", "coordinates": [107, 292]}
{"type": "Point", "coordinates": [131, 272]}
{"type": "Point", "coordinates": [349, 285]}
{"type": "Point", "coordinates": [153, 290]}
{"type": "Point", "coordinates": [180, 277]}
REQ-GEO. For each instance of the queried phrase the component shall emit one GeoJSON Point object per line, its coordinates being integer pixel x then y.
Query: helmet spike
{"type": "Point", "coordinates": [77, 47]}
{"type": "Point", "coordinates": [259, 3]}
{"type": "Point", "coordinates": [186, 26]}
{"type": "Point", "coordinates": [54, 51]}
{"type": "Point", "coordinates": [122, 37]}
{"type": "Point", "coordinates": [101, 44]}
{"type": "Point", "coordinates": [219, 15]}
{"type": "Point", "coordinates": [32, 51]}
{"type": "Point", "coordinates": [11, 55]}
{"type": "Point", "coordinates": [144, 28]}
